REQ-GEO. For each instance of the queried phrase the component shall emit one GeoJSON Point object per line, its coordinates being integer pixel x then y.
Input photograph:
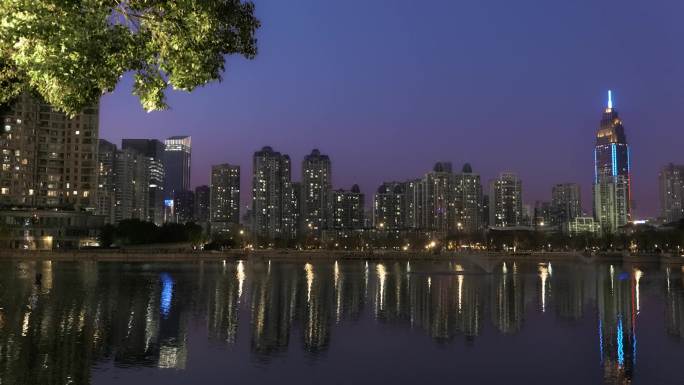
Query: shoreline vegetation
{"type": "Point", "coordinates": [183, 255]}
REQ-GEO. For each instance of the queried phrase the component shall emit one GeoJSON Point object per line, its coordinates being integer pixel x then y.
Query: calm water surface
{"type": "Point", "coordinates": [340, 323]}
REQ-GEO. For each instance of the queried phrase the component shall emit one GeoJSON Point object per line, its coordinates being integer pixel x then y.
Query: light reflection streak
{"type": "Point", "coordinates": [382, 274]}
{"type": "Point", "coordinates": [240, 277]}
{"type": "Point", "coordinates": [637, 277]}
{"type": "Point", "coordinates": [543, 275]}
{"type": "Point", "coordinates": [308, 268]}
{"type": "Point", "coordinates": [166, 294]}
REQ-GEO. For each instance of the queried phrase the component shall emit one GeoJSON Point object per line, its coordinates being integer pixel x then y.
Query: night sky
{"type": "Point", "coordinates": [389, 87]}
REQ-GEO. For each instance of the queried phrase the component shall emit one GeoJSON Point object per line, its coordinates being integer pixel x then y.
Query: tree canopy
{"type": "Point", "coordinates": [70, 52]}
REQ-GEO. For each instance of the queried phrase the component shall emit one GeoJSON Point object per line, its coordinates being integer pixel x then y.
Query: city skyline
{"type": "Point", "coordinates": [351, 94]}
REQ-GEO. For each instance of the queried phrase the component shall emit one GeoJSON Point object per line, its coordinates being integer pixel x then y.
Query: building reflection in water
{"type": "Point", "coordinates": [88, 313]}
{"type": "Point", "coordinates": [617, 290]}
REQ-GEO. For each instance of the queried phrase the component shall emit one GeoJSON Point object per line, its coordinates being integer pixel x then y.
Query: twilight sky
{"type": "Point", "coordinates": [389, 87]}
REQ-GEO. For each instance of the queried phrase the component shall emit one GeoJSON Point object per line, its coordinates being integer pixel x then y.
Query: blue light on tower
{"type": "Point", "coordinates": [613, 154]}
{"type": "Point", "coordinates": [610, 99]}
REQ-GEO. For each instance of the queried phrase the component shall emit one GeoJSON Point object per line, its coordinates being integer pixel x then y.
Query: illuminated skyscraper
{"type": "Point", "coordinates": [612, 178]}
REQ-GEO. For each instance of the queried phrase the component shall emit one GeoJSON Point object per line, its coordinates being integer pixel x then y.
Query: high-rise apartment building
{"type": "Point", "coordinates": [106, 181]}
{"type": "Point", "coordinates": [566, 203]}
{"type": "Point", "coordinates": [225, 194]}
{"type": "Point", "coordinates": [435, 208]}
{"type": "Point", "coordinates": [390, 209]}
{"type": "Point", "coordinates": [347, 209]}
{"type": "Point", "coordinates": [505, 201]}
{"type": "Point", "coordinates": [316, 187]}
{"type": "Point", "coordinates": [612, 172]}
{"type": "Point", "coordinates": [273, 206]}
{"type": "Point", "coordinates": [48, 159]}
{"type": "Point", "coordinates": [177, 161]}
{"type": "Point", "coordinates": [467, 190]}
{"type": "Point", "coordinates": [671, 186]}
{"type": "Point", "coordinates": [153, 150]}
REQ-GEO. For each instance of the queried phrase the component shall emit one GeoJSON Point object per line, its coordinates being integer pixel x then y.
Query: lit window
{"type": "Point", "coordinates": [77, 132]}
{"type": "Point", "coordinates": [4, 191]}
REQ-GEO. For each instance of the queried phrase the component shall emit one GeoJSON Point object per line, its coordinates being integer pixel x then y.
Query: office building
{"type": "Point", "coordinates": [612, 172]}
{"type": "Point", "coordinates": [154, 151]}
{"type": "Point", "coordinates": [123, 186]}
{"type": "Point", "coordinates": [177, 161]}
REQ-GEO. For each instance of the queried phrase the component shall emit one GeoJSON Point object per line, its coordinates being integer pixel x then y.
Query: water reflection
{"type": "Point", "coordinates": [87, 314]}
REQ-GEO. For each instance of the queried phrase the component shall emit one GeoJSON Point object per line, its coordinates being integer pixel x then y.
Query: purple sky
{"type": "Point", "coordinates": [387, 88]}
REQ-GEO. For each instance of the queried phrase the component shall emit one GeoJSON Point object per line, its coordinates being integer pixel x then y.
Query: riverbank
{"type": "Point", "coordinates": [318, 255]}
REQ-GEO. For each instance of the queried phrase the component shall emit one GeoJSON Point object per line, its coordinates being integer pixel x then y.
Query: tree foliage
{"type": "Point", "coordinates": [72, 51]}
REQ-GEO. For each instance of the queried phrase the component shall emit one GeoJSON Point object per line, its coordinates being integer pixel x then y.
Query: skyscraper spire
{"type": "Point", "coordinates": [610, 99]}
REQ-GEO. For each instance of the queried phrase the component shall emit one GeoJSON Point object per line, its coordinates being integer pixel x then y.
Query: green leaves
{"type": "Point", "coordinates": [72, 51]}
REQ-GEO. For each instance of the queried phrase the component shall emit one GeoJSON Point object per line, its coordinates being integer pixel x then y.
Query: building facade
{"type": "Point", "coordinates": [202, 203]}
{"type": "Point", "coordinates": [612, 172]}
{"type": "Point", "coordinates": [505, 201]}
{"type": "Point", "coordinates": [48, 159]}
{"type": "Point", "coordinates": [671, 188]}
{"type": "Point", "coordinates": [183, 206]}
{"type": "Point", "coordinates": [566, 203]}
